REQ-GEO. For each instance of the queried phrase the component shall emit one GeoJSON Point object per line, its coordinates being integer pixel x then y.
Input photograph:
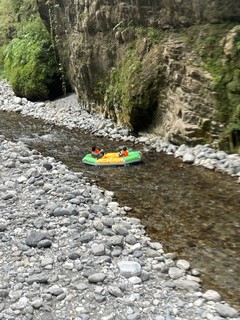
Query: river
{"type": "Point", "coordinates": [190, 210]}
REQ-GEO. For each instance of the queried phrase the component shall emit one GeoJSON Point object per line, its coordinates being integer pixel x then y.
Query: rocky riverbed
{"type": "Point", "coordinates": [69, 251]}
{"type": "Point", "coordinates": [67, 112]}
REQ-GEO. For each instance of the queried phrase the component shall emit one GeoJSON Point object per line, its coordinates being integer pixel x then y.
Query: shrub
{"type": "Point", "coordinates": [30, 64]}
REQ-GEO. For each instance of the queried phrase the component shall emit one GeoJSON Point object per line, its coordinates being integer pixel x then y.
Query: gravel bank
{"type": "Point", "coordinates": [68, 251]}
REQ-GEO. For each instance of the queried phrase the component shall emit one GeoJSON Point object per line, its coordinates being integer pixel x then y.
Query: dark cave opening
{"type": "Point", "coordinates": [235, 137]}
{"type": "Point", "coordinates": [142, 119]}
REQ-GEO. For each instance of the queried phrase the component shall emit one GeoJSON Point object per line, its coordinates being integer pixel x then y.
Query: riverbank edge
{"type": "Point", "coordinates": [67, 112]}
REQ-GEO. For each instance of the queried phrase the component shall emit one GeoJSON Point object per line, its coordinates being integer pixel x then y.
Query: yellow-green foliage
{"type": "Point", "coordinates": [27, 57]}
{"type": "Point", "coordinates": [122, 86]}
{"type": "Point", "coordinates": [13, 13]}
{"type": "Point", "coordinates": [235, 123]}
{"type": "Point", "coordinates": [1, 62]}
{"type": "Point", "coordinates": [8, 21]}
{"type": "Point", "coordinates": [130, 90]}
{"type": "Point", "coordinates": [133, 89]}
{"type": "Point", "coordinates": [154, 35]}
{"type": "Point", "coordinates": [208, 42]}
{"type": "Point", "coordinates": [7, 26]}
{"type": "Point", "coordinates": [29, 61]}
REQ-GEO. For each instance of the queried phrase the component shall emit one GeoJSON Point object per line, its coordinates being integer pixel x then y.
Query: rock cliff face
{"type": "Point", "coordinates": [169, 67]}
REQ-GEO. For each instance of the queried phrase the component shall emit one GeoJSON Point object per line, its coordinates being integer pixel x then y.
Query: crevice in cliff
{"type": "Point", "coordinates": [235, 135]}
{"type": "Point", "coordinates": [142, 120]}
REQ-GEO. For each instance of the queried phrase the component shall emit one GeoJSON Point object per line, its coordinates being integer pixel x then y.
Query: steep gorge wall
{"type": "Point", "coordinates": [141, 62]}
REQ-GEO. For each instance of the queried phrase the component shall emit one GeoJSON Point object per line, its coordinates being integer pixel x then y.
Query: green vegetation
{"type": "Point", "coordinates": [153, 34]}
{"type": "Point", "coordinates": [122, 85]}
{"type": "Point", "coordinates": [209, 42]}
{"type": "Point", "coordinates": [100, 90]}
{"type": "Point", "coordinates": [7, 26]}
{"type": "Point", "coordinates": [13, 15]}
{"type": "Point", "coordinates": [130, 88]}
{"type": "Point", "coordinates": [29, 61]}
{"type": "Point", "coordinates": [27, 56]}
{"type": "Point", "coordinates": [133, 88]}
{"type": "Point", "coordinates": [8, 21]}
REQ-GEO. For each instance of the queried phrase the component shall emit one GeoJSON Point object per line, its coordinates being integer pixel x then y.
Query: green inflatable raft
{"type": "Point", "coordinates": [112, 159]}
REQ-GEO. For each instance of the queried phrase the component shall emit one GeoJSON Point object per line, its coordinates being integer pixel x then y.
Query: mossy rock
{"type": "Point", "coordinates": [234, 85]}
{"type": "Point", "coordinates": [133, 86]}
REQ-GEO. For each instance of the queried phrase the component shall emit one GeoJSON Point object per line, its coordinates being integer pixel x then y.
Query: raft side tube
{"type": "Point", "coordinates": [112, 159]}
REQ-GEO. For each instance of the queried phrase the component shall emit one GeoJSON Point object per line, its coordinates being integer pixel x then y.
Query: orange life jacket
{"type": "Point", "coordinates": [96, 151]}
{"type": "Point", "coordinates": [124, 153]}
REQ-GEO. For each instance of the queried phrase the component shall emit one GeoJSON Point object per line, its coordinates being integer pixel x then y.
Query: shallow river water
{"type": "Point", "coordinates": [190, 210]}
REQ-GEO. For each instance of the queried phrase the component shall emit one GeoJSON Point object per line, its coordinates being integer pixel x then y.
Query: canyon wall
{"type": "Point", "coordinates": [168, 67]}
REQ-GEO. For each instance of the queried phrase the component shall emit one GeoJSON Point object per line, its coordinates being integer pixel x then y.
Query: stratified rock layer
{"type": "Point", "coordinates": [148, 64]}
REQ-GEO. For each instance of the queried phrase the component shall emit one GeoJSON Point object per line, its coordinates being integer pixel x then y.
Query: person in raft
{"type": "Point", "coordinates": [96, 153]}
{"type": "Point", "coordinates": [123, 153]}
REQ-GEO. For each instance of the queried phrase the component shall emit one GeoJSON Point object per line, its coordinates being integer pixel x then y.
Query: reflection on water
{"type": "Point", "coordinates": [190, 210]}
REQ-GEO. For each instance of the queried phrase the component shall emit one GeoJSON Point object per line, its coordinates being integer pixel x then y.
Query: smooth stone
{"type": "Point", "coordinates": [226, 311]}
{"type": "Point", "coordinates": [129, 268]}
{"type": "Point", "coordinates": [97, 277]}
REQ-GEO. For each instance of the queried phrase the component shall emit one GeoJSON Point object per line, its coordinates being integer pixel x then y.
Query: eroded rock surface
{"type": "Point", "coordinates": [148, 64]}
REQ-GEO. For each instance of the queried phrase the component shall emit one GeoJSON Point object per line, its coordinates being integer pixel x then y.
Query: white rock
{"type": "Point", "coordinates": [211, 295]}
{"type": "Point", "coordinates": [226, 311]}
{"type": "Point", "coordinates": [183, 264]}
{"type": "Point", "coordinates": [129, 268]}
{"type": "Point", "coordinates": [176, 273]}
